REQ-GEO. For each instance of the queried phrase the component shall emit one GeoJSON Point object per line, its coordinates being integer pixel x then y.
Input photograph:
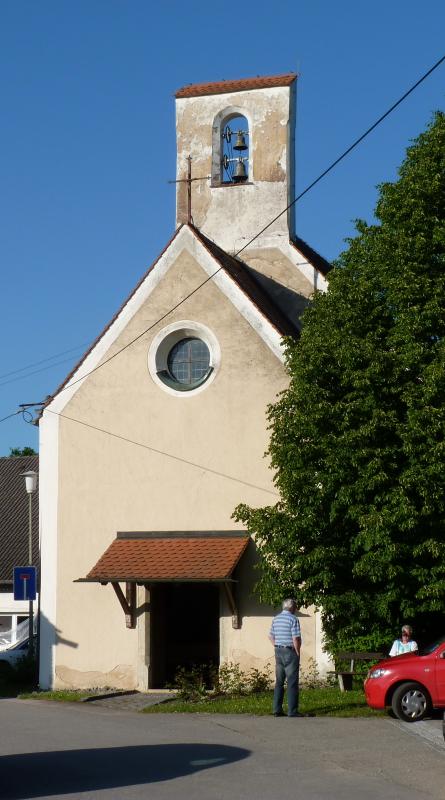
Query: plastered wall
{"type": "Point", "coordinates": [173, 463]}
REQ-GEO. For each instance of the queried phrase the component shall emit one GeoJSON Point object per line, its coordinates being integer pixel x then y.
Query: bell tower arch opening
{"type": "Point", "coordinates": [231, 148]}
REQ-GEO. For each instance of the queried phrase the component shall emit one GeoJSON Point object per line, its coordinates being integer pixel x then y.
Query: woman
{"type": "Point", "coordinates": [404, 645]}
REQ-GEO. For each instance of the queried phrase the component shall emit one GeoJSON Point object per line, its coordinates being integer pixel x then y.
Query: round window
{"type": "Point", "coordinates": [188, 362]}
{"type": "Point", "coordinates": [184, 358]}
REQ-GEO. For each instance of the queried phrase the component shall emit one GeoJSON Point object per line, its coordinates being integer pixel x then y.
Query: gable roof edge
{"type": "Point", "coordinates": [241, 274]}
{"type": "Point", "coordinates": [314, 259]}
{"type": "Point", "coordinates": [65, 383]}
{"type": "Point", "coordinates": [237, 85]}
{"type": "Point", "coordinates": [258, 319]}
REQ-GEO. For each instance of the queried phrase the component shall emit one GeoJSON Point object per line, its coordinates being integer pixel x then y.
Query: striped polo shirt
{"type": "Point", "coordinates": [284, 627]}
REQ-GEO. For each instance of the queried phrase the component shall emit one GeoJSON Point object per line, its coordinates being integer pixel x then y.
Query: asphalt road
{"type": "Point", "coordinates": [51, 750]}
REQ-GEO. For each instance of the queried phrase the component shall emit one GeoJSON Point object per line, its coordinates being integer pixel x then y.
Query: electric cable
{"type": "Point", "coordinates": [43, 361]}
{"type": "Point", "coordinates": [345, 153]}
{"type": "Point", "coordinates": [13, 415]}
{"type": "Point", "coordinates": [292, 203]}
{"type": "Point", "coordinates": [203, 283]}
{"type": "Point", "coordinates": [164, 453]}
{"type": "Point", "coordinates": [36, 371]}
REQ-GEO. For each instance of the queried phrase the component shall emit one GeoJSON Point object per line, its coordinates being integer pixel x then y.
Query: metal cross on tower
{"type": "Point", "coordinates": [188, 180]}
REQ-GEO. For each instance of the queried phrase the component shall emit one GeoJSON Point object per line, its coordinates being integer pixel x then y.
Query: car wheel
{"type": "Point", "coordinates": [411, 702]}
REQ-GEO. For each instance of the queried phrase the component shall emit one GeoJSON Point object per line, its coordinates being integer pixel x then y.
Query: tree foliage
{"type": "Point", "coordinates": [21, 451]}
{"type": "Point", "coordinates": [357, 440]}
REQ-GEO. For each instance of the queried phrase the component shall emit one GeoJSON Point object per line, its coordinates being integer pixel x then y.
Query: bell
{"type": "Point", "coordinates": [240, 143]}
{"type": "Point", "coordinates": [240, 173]}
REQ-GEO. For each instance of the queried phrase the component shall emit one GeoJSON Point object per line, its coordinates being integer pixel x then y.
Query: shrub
{"type": "Point", "coordinates": [190, 684]}
{"type": "Point", "coordinates": [230, 680]}
{"type": "Point", "coordinates": [259, 680]}
{"type": "Point", "coordinates": [310, 677]}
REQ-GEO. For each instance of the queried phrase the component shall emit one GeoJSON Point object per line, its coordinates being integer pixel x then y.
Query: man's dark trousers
{"type": "Point", "coordinates": [287, 665]}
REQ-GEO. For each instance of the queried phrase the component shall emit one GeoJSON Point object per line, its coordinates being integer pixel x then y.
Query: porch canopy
{"type": "Point", "coordinates": [164, 557]}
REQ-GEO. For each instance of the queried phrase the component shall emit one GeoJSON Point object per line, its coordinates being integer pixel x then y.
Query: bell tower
{"type": "Point", "coordinates": [240, 136]}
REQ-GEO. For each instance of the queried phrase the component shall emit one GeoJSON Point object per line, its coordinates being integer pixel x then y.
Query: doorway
{"type": "Point", "coordinates": [184, 628]}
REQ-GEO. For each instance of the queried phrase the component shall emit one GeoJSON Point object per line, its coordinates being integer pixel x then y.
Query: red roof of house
{"type": "Point", "coordinates": [241, 85]}
{"type": "Point", "coordinates": [170, 557]}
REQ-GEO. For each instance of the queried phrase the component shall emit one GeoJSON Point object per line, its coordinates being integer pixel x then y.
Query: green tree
{"type": "Point", "coordinates": [357, 440]}
{"type": "Point", "coordinates": [21, 451]}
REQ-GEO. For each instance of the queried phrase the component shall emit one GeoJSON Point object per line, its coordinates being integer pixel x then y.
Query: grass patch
{"type": "Point", "coordinates": [326, 702]}
{"type": "Point", "coordinates": [61, 696]}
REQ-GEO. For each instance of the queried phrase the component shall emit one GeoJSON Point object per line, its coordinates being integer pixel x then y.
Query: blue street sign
{"type": "Point", "coordinates": [25, 583]}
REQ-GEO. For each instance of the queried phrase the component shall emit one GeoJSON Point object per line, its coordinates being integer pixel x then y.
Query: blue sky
{"type": "Point", "coordinates": [87, 144]}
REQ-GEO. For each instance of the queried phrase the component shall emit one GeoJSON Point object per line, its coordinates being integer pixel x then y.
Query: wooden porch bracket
{"type": "Point", "coordinates": [127, 601]}
{"type": "Point", "coordinates": [236, 619]}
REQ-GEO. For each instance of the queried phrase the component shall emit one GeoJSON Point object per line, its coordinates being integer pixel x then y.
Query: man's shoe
{"type": "Point", "coordinates": [279, 714]}
{"type": "Point", "coordinates": [299, 714]}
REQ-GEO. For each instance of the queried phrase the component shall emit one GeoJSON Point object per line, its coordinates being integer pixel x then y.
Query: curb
{"type": "Point", "coordinates": [106, 695]}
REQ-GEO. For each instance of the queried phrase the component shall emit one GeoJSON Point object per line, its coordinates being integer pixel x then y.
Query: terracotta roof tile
{"type": "Point", "coordinates": [244, 84]}
{"type": "Point", "coordinates": [181, 558]}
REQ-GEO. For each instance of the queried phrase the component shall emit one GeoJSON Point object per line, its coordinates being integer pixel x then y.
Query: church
{"type": "Point", "coordinates": [160, 430]}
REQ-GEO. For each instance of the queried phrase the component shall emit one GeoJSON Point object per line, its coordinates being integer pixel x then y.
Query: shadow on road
{"type": "Point", "coordinates": [29, 775]}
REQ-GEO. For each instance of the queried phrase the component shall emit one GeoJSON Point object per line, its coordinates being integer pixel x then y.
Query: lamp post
{"type": "Point", "coordinates": [31, 486]}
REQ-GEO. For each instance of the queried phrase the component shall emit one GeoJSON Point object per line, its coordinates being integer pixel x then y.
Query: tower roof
{"type": "Point", "coordinates": [240, 85]}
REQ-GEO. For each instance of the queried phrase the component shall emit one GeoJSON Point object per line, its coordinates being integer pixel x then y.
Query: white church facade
{"type": "Point", "coordinates": [160, 430]}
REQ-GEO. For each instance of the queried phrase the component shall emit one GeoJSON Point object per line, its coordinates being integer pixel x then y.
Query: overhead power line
{"type": "Point", "coordinates": [164, 453]}
{"type": "Point", "coordinates": [42, 361]}
{"type": "Point", "coordinates": [14, 414]}
{"type": "Point", "coordinates": [292, 203]}
{"type": "Point", "coordinates": [346, 152]}
{"type": "Point", "coordinates": [35, 371]}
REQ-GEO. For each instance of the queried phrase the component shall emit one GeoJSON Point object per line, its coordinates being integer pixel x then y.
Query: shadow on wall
{"type": "Point", "coordinates": [47, 635]}
{"type": "Point", "coordinates": [247, 575]}
{"type": "Point", "coordinates": [291, 303]}
{"type": "Point", "coordinates": [29, 775]}
{"type": "Point", "coordinates": [48, 631]}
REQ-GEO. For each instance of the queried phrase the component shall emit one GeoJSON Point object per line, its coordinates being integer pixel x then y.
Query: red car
{"type": "Point", "coordinates": [412, 684]}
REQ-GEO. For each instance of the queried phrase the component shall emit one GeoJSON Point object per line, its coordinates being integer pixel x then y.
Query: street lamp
{"type": "Point", "coordinates": [31, 486]}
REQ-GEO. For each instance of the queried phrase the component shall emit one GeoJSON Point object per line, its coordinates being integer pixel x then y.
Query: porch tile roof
{"type": "Point", "coordinates": [240, 85]}
{"type": "Point", "coordinates": [180, 557]}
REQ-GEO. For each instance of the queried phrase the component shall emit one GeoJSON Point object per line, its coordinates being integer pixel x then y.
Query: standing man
{"type": "Point", "coordinates": [285, 635]}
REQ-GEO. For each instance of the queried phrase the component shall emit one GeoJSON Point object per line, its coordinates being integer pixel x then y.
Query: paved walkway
{"type": "Point", "coordinates": [75, 751]}
{"type": "Point", "coordinates": [135, 701]}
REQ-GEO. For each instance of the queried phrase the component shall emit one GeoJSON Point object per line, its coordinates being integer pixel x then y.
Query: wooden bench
{"type": "Point", "coordinates": [345, 677]}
